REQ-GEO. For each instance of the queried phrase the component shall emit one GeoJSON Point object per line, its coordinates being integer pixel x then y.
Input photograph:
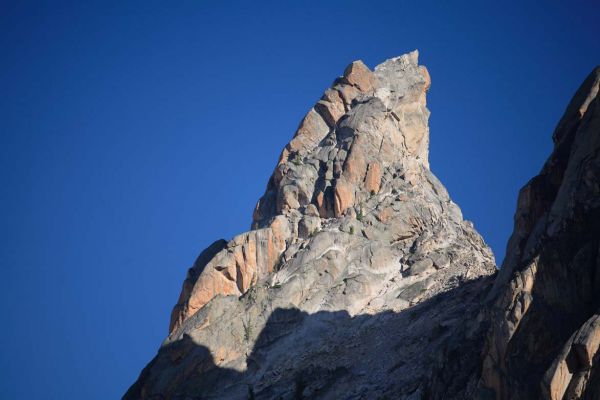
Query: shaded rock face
{"type": "Point", "coordinates": [545, 332]}
{"type": "Point", "coordinates": [324, 355]}
{"type": "Point", "coordinates": [359, 276]}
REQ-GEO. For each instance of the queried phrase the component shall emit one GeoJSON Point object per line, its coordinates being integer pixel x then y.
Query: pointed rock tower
{"type": "Point", "coordinates": [357, 273]}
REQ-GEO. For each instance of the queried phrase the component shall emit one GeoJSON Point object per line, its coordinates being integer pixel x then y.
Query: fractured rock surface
{"type": "Point", "coordinates": [356, 273]}
{"type": "Point", "coordinates": [361, 280]}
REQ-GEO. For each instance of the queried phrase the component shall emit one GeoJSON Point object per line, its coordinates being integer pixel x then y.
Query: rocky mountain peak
{"type": "Point", "coordinates": [362, 124]}
{"type": "Point", "coordinates": [369, 126]}
{"type": "Point", "coordinates": [355, 234]}
{"type": "Point", "coordinates": [367, 134]}
{"type": "Point", "coordinates": [360, 279]}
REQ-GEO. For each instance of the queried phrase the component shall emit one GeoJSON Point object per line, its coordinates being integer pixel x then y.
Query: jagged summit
{"type": "Point", "coordinates": [353, 234]}
{"type": "Point", "coordinates": [361, 280]}
{"type": "Point", "coordinates": [367, 125]}
{"type": "Point", "coordinates": [345, 144]}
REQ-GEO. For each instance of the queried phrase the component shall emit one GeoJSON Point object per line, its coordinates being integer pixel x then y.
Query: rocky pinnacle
{"type": "Point", "coordinates": [360, 279]}
{"type": "Point", "coordinates": [358, 265]}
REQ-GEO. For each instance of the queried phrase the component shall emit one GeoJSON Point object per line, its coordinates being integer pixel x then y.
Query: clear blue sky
{"type": "Point", "coordinates": [133, 134]}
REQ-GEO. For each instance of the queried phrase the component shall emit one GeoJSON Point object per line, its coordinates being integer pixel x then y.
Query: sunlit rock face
{"type": "Point", "coordinates": [359, 276]}
{"type": "Point", "coordinates": [361, 280]}
{"type": "Point", "coordinates": [545, 332]}
{"type": "Point", "coordinates": [361, 151]}
{"type": "Point", "coordinates": [367, 124]}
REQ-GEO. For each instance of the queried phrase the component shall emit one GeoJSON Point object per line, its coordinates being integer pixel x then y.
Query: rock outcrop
{"type": "Point", "coordinates": [359, 278]}
{"type": "Point", "coordinates": [357, 272]}
{"type": "Point", "coordinates": [545, 331]}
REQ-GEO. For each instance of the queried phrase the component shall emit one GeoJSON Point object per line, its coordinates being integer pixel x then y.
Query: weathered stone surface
{"type": "Point", "coordinates": [331, 107]}
{"type": "Point", "coordinates": [311, 131]}
{"type": "Point", "coordinates": [357, 141]}
{"type": "Point", "coordinates": [204, 258]}
{"type": "Point", "coordinates": [359, 75]}
{"type": "Point", "coordinates": [373, 178]}
{"type": "Point", "coordinates": [423, 266]}
{"type": "Point", "coordinates": [587, 341]}
{"type": "Point", "coordinates": [343, 197]}
{"type": "Point", "coordinates": [356, 275]}
{"type": "Point", "coordinates": [309, 225]}
{"type": "Point", "coordinates": [232, 270]}
{"type": "Point", "coordinates": [556, 380]}
{"type": "Point", "coordinates": [360, 278]}
{"type": "Point", "coordinates": [568, 376]}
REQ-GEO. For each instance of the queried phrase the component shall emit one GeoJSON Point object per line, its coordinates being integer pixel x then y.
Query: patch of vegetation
{"type": "Point", "coordinates": [360, 215]}
{"type": "Point", "coordinates": [352, 230]}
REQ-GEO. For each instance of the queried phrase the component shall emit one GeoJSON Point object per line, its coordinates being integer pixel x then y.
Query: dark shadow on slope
{"type": "Point", "coordinates": [428, 351]}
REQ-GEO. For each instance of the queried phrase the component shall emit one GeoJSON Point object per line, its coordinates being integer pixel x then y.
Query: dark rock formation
{"type": "Point", "coordinates": [545, 333]}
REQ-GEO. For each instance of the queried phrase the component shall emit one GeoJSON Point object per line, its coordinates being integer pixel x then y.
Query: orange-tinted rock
{"type": "Point", "coordinates": [311, 131]}
{"type": "Point", "coordinates": [373, 178]}
{"type": "Point", "coordinates": [385, 214]}
{"type": "Point", "coordinates": [234, 269]}
{"type": "Point", "coordinates": [343, 197]}
{"type": "Point", "coordinates": [192, 276]}
{"type": "Point", "coordinates": [321, 204]}
{"type": "Point", "coordinates": [359, 75]}
{"type": "Point", "coordinates": [425, 74]}
{"type": "Point", "coordinates": [355, 166]}
{"type": "Point", "coordinates": [330, 107]}
{"type": "Point", "coordinates": [280, 231]}
{"type": "Point", "coordinates": [348, 93]}
{"type": "Point", "coordinates": [413, 125]}
{"type": "Point", "coordinates": [324, 203]}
